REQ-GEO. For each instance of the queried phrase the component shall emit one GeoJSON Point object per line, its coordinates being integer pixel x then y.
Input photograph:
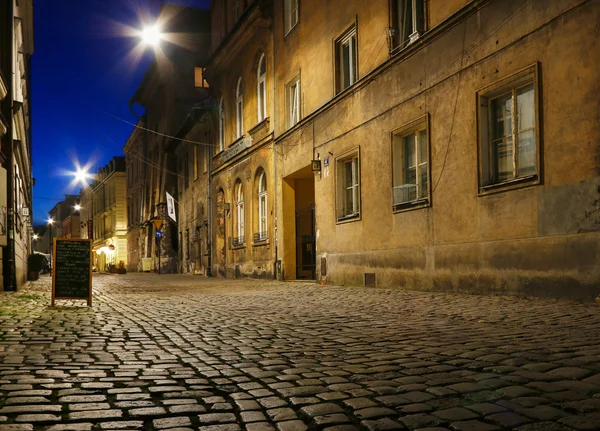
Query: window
{"type": "Point", "coordinates": [290, 10]}
{"type": "Point", "coordinates": [261, 235]}
{"type": "Point", "coordinates": [239, 206]}
{"type": "Point", "coordinates": [239, 109]}
{"type": "Point", "coordinates": [293, 101]}
{"type": "Point", "coordinates": [199, 80]}
{"type": "Point", "coordinates": [345, 65]}
{"type": "Point", "coordinates": [508, 120]}
{"type": "Point", "coordinates": [348, 187]}
{"type": "Point", "coordinates": [221, 125]}
{"type": "Point", "coordinates": [407, 21]}
{"type": "Point", "coordinates": [261, 88]}
{"type": "Point", "coordinates": [410, 166]}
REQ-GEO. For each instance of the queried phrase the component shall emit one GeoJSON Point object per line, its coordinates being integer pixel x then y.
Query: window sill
{"type": "Point", "coordinates": [287, 33]}
{"type": "Point", "coordinates": [238, 247]}
{"type": "Point", "coordinates": [349, 218]}
{"type": "Point", "coordinates": [261, 243]}
{"type": "Point", "coordinates": [412, 205]}
{"type": "Point", "coordinates": [508, 185]}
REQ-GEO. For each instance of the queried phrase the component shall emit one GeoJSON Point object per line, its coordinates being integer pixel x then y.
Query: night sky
{"type": "Point", "coordinates": [85, 68]}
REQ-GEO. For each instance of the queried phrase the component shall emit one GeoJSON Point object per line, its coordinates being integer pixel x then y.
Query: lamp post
{"type": "Point", "coordinates": [50, 224]}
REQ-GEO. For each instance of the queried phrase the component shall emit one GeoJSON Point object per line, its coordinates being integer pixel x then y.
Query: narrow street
{"type": "Point", "coordinates": [181, 352]}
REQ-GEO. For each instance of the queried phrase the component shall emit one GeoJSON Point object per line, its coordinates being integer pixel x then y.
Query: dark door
{"type": "Point", "coordinates": [306, 257]}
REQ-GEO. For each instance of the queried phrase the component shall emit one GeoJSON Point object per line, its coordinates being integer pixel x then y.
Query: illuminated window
{"type": "Point", "coordinates": [261, 88]}
{"type": "Point", "coordinates": [261, 235]}
{"type": "Point", "coordinates": [239, 214]}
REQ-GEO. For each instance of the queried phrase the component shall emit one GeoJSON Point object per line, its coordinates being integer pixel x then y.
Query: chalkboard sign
{"type": "Point", "coordinates": [72, 269]}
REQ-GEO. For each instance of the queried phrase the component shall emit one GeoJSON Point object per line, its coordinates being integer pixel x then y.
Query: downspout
{"type": "Point", "coordinates": [209, 203]}
{"type": "Point", "coordinates": [276, 194]}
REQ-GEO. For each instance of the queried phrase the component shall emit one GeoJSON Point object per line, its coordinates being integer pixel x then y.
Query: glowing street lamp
{"type": "Point", "coordinates": [77, 207]}
{"type": "Point", "coordinates": [151, 35]}
{"type": "Point", "coordinates": [35, 236]}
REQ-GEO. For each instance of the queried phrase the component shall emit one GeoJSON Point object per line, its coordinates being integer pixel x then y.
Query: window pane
{"type": "Point", "coordinates": [410, 160]}
{"type": "Point", "coordinates": [405, 20]}
{"type": "Point", "coordinates": [503, 156]}
{"type": "Point", "coordinates": [525, 108]}
{"type": "Point", "coordinates": [502, 117]}
{"type": "Point", "coordinates": [526, 158]}
{"type": "Point", "coordinates": [345, 65]}
{"type": "Point", "coordinates": [348, 174]}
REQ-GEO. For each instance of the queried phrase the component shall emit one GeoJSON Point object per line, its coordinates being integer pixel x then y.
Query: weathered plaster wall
{"type": "Point", "coordinates": [542, 239]}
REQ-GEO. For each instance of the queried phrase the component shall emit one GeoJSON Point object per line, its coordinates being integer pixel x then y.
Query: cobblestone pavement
{"type": "Point", "coordinates": [183, 352]}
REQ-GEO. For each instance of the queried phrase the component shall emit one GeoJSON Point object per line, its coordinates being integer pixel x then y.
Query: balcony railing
{"type": "Point", "coordinates": [408, 193]}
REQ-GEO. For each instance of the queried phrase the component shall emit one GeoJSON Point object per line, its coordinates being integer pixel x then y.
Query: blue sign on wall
{"type": "Point", "coordinates": [158, 233]}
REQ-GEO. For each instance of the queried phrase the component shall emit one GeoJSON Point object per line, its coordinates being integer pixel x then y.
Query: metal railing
{"type": "Point", "coordinates": [260, 236]}
{"type": "Point", "coordinates": [238, 240]}
{"type": "Point", "coordinates": [408, 193]}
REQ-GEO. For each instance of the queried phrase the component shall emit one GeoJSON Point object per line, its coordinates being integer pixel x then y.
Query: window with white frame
{"type": "Point", "coordinates": [261, 88]}
{"type": "Point", "coordinates": [293, 101]}
{"type": "Point", "coordinates": [239, 206]}
{"type": "Point", "coordinates": [239, 109]}
{"type": "Point", "coordinates": [221, 124]}
{"type": "Point", "coordinates": [348, 187]}
{"type": "Point", "coordinates": [261, 235]}
{"type": "Point", "coordinates": [410, 166]}
{"type": "Point", "coordinates": [508, 130]}
{"type": "Point", "coordinates": [345, 60]}
{"type": "Point", "coordinates": [408, 21]}
{"type": "Point", "coordinates": [291, 16]}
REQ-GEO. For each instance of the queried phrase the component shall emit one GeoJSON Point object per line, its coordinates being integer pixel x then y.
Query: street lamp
{"type": "Point", "coordinates": [77, 207]}
{"type": "Point", "coordinates": [35, 236]}
{"type": "Point", "coordinates": [50, 223]}
{"type": "Point", "coordinates": [151, 35]}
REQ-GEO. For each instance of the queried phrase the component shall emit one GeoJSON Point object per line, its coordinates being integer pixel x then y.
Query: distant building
{"type": "Point", "coordinates": [59, 214]}
{"type": "Point", "coordinates": [169, 93]}
{"type": "Point", "coordinates": [109, 209]}
{"type": "Point", "coordinates": [139, 246]}
{"type": "Point", "coordinates": [16, 229]}
{"type": "Point", "coordinates": [242, 78]}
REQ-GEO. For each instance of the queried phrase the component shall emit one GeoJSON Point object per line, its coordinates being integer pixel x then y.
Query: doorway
{"type": "Point", "coordinates": [299, 241]}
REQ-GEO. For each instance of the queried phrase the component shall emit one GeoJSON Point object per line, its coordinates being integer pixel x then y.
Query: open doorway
{"type": "Point", "coordinates": [299, 225]}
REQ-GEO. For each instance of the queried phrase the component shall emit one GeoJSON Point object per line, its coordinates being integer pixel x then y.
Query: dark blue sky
{"type": "Point", "coordinates": [83, 68]}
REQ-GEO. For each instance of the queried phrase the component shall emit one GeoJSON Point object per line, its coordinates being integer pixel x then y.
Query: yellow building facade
{"type": "Point", "coordinates": [109, 207]}
{"type": "Point", "coordinates": [241, 76]}
{"type": "Point", "coordinates": [453, 150]}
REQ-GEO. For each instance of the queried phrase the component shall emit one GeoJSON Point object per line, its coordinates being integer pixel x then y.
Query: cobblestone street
{"type": "Point", "coordinates": [181, 352]}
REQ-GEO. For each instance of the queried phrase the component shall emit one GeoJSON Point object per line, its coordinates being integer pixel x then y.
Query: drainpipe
{"type": "Point", "coordinates": [275, 195]}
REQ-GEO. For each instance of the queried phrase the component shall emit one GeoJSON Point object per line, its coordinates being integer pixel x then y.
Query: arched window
{"type": "Point", "coordinates": [261, 88]}
{"type": "Point", "coordinates": [262, 207]}
{"type": "Point", "coordinates": [239, 196]}
{"type": "Point", "coordinates": [239, 109]}
{"type": "Point", "coordinates": [221, 124]}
